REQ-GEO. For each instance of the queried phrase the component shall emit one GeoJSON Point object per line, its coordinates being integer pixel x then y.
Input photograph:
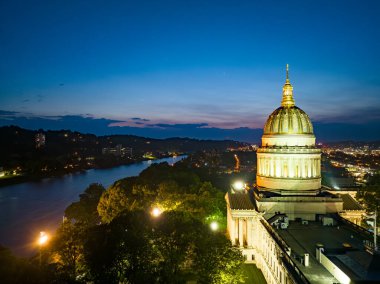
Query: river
{"type": "Point", "coordinates": [31, 207]}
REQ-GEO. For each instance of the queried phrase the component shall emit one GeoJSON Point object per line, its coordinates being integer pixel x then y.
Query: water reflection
{"type": "Point", "coordinates": [31, 207]}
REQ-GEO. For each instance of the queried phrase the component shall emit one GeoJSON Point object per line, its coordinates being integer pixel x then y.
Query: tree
{"type": "Point", "coordinates": [19, 270]}
{"type": "Point", "coordinates": [120, 251]}
{"type": "Point", "coordinates": [85, 210]}
{"type": "Point", "coordinates": [173, 248]}
{"type": "Point", "coordinates": [112, 202]}
{"type": "Point", "coordinates": [67, 250]}
{"type": "Point", "coordinates": [217, 261]}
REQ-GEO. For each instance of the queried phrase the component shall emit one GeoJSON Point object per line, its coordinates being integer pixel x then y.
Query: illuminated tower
{"type": "Point", "coordinates": [288, 163]}
{"type": "Point", "coordinates": [40, 140]}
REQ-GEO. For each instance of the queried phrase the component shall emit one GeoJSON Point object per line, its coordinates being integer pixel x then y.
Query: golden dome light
{"type": "Point", "coordinates": [288, 119]}
{"type": "Point", "coordinates": [287, 91]}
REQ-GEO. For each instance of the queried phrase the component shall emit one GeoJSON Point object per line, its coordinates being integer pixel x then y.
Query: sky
{"type": "Point", "coordinates": [204, 69]}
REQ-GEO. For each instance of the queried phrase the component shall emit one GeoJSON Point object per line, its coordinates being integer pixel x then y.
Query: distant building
{"type": "Point", "coordinates": [292, 228]}
{"type": "Point", "coordinates": [40, 140]}
{"type": "Point", "coordinates": [118, 151]}
{"type": "Point", "coordinates": [127, 152]}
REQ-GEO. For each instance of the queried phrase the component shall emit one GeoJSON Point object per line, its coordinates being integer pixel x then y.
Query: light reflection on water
{"type": "Point", "coordinates": [31, 207]}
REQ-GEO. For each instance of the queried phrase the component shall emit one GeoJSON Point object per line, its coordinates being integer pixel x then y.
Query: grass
{"type": "Point", "coordinates": [253, 274]}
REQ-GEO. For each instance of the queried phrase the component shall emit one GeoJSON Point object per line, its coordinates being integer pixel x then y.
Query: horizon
{"type": "Point", "coordinates": [200, 69]}
{"type": "Point", "coordinates": [165, 137]}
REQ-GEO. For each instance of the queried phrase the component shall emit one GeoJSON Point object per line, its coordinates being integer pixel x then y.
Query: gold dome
{"type": "Point", "coordinates": [288, 119]}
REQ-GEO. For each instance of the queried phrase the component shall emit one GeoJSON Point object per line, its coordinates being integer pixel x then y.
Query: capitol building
{"type": "Point", "coordinates": [288, 224]}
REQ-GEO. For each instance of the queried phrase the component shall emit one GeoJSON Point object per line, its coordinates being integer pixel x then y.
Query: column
{"type": "Point", "coordinates": [249, 232]}
{"type": "Point", "coordinates": [265, 166]}
{"type": "Point", "coordinates": [291, 167]}
{"type": "Point", "coordinates": [236, 221]}
{"type": "Point", "coordinates": [259, 166]}
{"type": "Point", "coordinates": [232, 230]}
{"type": "Point", "coordinates": [271, 167]}
{"type": "Point", "coordinates": [240, 232]}
{"type": "Point", "coordinates": [274, 167]}
{"type": "Point", "coordinates": [315, 167]}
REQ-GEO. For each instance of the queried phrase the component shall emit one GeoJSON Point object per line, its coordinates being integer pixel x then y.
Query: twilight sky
{"type": "Point", "coordinates": [192, 65]}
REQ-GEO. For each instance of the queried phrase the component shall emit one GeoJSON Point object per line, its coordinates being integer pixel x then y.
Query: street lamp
{"type": "Point", "coordinates": [42, 240]}
{"type": "Point", "coordinates": [214, 226]}
{"type": "Point", "coordinates": [238, 185]}
{"type": "Point", "coordinates": [156, 212]}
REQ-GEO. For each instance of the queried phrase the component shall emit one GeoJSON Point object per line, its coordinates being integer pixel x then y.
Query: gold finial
{"type": "Point", "coordinates": [287, 72]}
{"type": "Point", "coordinates": [287, 91]}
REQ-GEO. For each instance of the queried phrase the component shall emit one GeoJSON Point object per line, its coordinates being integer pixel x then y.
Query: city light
{"type": "Point", "coordinates": [156, 212]}
{"type": "Point", "coordinates": [43, 238]}
{"type": "Point", "coordinates": [214, 226]}
{"type": "Point", "coordinates": [238, 185]}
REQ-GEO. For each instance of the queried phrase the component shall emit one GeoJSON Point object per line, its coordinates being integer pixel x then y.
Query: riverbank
{"type": "Point", "coordinates": [57, 174]}
{"type": "Point", "coordinates": [30, 207]}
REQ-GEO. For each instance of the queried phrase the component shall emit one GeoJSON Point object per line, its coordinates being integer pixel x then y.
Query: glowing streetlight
{"type": "Point", "coordinates": [156, 212]}
{"type": "Point", "coordinates": [238, 185]}
{"type": "Point", "coordinates": [43, 238]}
{"type": "Point", "coordinates": [214, 226]}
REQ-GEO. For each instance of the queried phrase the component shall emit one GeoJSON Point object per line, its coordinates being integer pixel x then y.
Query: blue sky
{"type": "Point", "coordinates": [218, 64]}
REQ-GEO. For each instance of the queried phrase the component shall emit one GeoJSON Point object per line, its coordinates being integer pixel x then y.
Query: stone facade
{"type": "Point", "coordinates": [288, 183]}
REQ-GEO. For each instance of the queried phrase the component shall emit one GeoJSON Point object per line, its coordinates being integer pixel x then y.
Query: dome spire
{"type": "Point", "coordinates": [287, 91]}
{"type": "Point", "coordinates": [287, 73]}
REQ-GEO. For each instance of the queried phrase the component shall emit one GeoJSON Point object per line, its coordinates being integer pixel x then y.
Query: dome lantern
{"type": "Point", "coordinates": [288, 119]}
{"type": "Point", "coordinates": [287, 91]}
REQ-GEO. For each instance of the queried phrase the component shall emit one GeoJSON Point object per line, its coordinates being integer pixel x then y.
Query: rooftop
{"type": "Point", "coordinates": [349, 203]}
{"type": "Point", "coordinates": [240, 201]}
{"type": "Point", "coordinates": [343, 246]}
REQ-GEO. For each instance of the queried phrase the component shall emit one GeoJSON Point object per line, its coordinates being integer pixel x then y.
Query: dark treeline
{"type": "Point", "coordinates": [67, 151]}
{"type": "Point", "coordinates": [111, 236]}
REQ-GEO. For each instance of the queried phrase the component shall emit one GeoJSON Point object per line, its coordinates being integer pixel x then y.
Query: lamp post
{"type": "Point", "coordinates": [238, 186]}
{"type": "Point", "coordinates": [156, 212]}
{"type": "Point", "coordinates": [41, 242]}
{"type": "Point", "coordinates": [214, 226]}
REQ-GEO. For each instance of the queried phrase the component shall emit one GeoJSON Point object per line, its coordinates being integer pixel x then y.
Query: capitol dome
{"type": "Point", "coordinates": [288, 120]}
{"type": "Point", "coordinates": [288, 161]}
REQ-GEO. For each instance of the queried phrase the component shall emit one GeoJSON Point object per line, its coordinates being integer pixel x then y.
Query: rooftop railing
{"type": "Point", "coordinates": [291, 266]}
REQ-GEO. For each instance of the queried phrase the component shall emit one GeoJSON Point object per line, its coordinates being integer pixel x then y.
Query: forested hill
{"type": "Point", "coordinates": [18, 147]}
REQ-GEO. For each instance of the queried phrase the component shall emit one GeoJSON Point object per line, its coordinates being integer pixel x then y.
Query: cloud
{"type": "Point", "coordinates": [7, 113]}
{"type": "Point", "coordinates": [178, 125]}
{"type": "Point", "coordinates": [140, 119]}
{"type": "Point", "coordinates": [103, 126]}
{"type": "Point", "coordinates": [352, 115]}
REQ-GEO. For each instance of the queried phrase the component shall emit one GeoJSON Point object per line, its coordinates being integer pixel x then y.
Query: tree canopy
{"type": "Point", "coordinates": [110, 236]}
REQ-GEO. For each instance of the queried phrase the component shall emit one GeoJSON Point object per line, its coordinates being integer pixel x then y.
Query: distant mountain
{"type": "Point", "coordinates": [101, 126]}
